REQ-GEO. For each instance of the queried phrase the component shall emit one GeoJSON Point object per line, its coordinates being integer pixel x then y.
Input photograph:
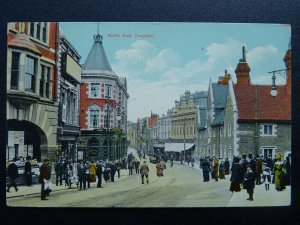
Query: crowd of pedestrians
{"type": "Point", "coordinates": [248, 171]}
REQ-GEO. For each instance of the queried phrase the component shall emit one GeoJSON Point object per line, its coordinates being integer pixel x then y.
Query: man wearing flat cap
{"type": "Point", "coordinates": [144, 169]}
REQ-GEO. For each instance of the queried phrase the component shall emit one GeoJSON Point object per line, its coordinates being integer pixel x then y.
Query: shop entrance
{"type": "Point", "coordinates": [24, 139]}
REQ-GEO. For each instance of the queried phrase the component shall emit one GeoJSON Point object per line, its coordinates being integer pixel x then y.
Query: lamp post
{"type": "Point", "coordinates": [274, 88]}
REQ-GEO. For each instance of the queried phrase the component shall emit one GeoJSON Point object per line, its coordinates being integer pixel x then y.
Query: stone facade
{"type": "Point", "coordinates": [31, 102]}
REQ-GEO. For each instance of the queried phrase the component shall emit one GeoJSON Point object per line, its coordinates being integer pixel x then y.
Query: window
{"type": "Point", "coordinates": [44, 32]}
{"type": "Point", "coordinates": [31, 30]}
{"type": "Point", "coordinates": [95, 90]}
{"type": "Point", "coordinates": [108, 90]}
{"type": "Point", "coordinates": [106, 117]}
{"type": "Point", "coordinates": [30, 74]}
{"type": "Point", "coordinates": [45, 81]}
{"type": "Point", "coordinates": [229, 130]}
{"type": "Point", "coordinates": [42, 80]}
{"type": "Point", "coordinates": [15, 70]}
{"type": "Point", "coordinates": [221, 131]}
{"type": "Point", "coordinates": [94, 116]}
{"type": "Point", "coordinates": [267, 129]}
{"type": "Point", "coordinates": [39, 31]}
{"type": "Point", "coordinates": [48, 81]}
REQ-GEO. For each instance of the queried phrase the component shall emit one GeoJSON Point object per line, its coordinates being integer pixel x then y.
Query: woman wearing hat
{"type": "Point", "coordinates": [236, 175]}
{"type": "Point", "coordinates": [279, 173]}
{"type": "Point", "coordinates": [249, 182]}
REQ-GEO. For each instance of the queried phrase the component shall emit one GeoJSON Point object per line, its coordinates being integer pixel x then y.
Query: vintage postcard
{"type": "Point", "coordinates": [148, 114]}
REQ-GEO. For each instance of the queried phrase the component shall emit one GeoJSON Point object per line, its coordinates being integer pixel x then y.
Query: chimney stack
{"type": "Point", "coordinates": [243, 71]}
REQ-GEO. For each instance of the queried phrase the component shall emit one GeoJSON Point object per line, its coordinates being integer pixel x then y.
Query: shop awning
{"type": "Point", "coordinates": [177, 147]}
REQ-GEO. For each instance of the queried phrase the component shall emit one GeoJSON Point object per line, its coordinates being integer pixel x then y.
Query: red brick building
{"type": "Point", "coordinates": [31, 89]}
{"type": "Point", "coordinates": [103, 107]}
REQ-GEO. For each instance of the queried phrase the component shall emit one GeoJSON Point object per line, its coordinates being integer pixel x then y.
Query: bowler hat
{"type": "Point", "coordinates": [250, 156]}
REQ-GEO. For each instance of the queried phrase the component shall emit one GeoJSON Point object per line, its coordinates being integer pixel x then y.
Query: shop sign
{"type": "Point", "coordinates": [80, 155]}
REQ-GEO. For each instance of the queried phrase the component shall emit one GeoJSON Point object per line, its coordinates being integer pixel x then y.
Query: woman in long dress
{"type": "Point", "coordinates": [279, 173]}
{"type": "Point", "coordinates": [236, 175]}
{"type": "Point", "coordinates": [158, 169]}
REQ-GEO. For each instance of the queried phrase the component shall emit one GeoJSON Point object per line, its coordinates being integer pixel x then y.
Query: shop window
{"type": "Point", "coordinates": [15, 70]}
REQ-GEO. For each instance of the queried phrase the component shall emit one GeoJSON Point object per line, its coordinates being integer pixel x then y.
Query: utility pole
{"type": "Point", "coordinates": [184, 139]}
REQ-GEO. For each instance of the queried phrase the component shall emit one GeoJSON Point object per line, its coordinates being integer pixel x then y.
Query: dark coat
{"type": "Point", "coordinates": [249, 180]}
{"type": "Point", "coordinates": [58, 168]}
{"type": "Point", "coordinates": [222, 167]}
{"type": "Point", "coordinates": [99, 170]}
{"type": "Point", "coordinates": [253, 165]}
{"type": "Point", "coordinates": [44, 173]}
{"type": "Point", "coordinates": [236, 173]}
{"type": "Point", "coordinates": [227, 164]}
{"type": "Point", "coordinates": [12, 171]}
{"type": "Point", "coordinates": [27, 168]}
{"type": "Point", "coordinates": [205, 166]}
{"type": "Point", "coordinates": [81, 171]}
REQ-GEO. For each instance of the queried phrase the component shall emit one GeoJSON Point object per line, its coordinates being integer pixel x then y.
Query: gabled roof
{"type": "Point", "coordinates": [202, 118]}
{"type": "Point", "coordinates": [263, 107]}
{"type": "Point", "coordinates": [220, 94]}
{"type": "Point", "coordinates": [219, 119]}
{"type": "Point", "coordinates": [97, 59]}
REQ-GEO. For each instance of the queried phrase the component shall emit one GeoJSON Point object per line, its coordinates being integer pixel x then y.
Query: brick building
{"type": "Point", "coordinates": [32, 90]}
{"type": "Point", "coordinates": [103, 107]}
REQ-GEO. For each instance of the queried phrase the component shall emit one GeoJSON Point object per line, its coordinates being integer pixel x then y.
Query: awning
{"type": "Point", "coordinates": [177, 147]}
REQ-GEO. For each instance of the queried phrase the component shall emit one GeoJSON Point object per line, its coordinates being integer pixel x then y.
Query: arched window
{"type": "Point", "coordinates": [94, 116]}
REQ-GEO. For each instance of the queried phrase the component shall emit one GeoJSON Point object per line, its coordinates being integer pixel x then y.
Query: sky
{"type": "Point", "coordinates": [162, 60]}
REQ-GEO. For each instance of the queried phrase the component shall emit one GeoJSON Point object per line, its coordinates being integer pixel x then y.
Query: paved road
{"type": "Point", "coordinates": [181, 186]}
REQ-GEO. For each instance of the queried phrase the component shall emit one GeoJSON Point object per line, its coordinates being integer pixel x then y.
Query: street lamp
{"type": "Point", "coordinates": [274, 88]}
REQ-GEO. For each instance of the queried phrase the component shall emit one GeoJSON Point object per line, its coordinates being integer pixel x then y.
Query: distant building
{"type": "Point", "coordinates": [31, 104]}
{"type": "Point", "coordinates": [103, 107]}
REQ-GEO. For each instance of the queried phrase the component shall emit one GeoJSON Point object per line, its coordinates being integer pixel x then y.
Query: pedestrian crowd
{"type": "Point", "coordinates": [246, 172]}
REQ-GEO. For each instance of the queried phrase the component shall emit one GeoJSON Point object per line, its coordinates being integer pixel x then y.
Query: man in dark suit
{"type": "Point", "coordinates": [44, 175]}
{"type": "Point", "coordinates": [12, 173]}
{"type": "Point", "coordinates": [28, 173]}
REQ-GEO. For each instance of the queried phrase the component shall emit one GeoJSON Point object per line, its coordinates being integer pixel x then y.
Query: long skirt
{"type": "Point", "coordinates": [205, 176]}
{"type": "Point", "coordinates": [92, 178]}
{"type": "Point", "coordinates": [226, 171]}
{"type": "Point", "coordinates": [222, 175]}
{"type": "Point", "coordinates": [235, 186]}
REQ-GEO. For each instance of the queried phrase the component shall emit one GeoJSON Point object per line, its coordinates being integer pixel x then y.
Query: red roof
{"type": "Point", "coordinates": [264, 106]}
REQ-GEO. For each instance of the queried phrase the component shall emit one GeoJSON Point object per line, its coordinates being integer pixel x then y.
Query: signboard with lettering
{"type": "Point", "coordinates": [30, 150]}
{"type": "Point", "coordinates": [80, 155]}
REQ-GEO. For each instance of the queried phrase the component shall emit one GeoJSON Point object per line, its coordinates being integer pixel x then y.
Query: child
{"type": "Point", "coordinates": [249, 182]}
{"type": "Point", "coordinates": [267, 178]}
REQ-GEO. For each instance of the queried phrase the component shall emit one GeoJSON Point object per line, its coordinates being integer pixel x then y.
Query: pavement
{"type": "Point", "coordinates": [261, 197]}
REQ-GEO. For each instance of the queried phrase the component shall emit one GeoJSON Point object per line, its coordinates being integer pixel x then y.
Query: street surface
{"type": "Point", "coordinates": [181, 186]}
